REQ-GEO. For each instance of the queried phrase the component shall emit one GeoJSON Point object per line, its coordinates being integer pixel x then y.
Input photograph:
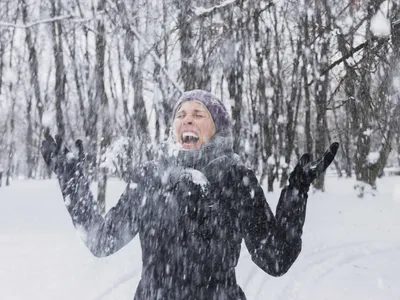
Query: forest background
{"type": "Point", "coordinates": [296, 75]}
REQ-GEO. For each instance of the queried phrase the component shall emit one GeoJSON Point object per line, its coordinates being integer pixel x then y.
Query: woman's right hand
{"type": "Point", "coordinates": [59, 159]}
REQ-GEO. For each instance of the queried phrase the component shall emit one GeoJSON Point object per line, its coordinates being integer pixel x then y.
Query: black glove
{"type": "Point", "coordinates": [305, 171]}
{"type": "Point", "coordinates": [59, 159]}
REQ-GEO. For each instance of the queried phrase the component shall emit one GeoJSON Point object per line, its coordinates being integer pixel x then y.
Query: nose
{"type": "Point", "coordinates": [188, 119]}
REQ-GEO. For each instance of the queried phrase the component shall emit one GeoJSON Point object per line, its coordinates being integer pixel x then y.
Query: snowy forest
{"type": "Point", "coordinates": [296, 76]}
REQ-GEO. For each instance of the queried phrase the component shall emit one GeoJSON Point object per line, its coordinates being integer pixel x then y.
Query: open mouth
{"type": "Point", "coordinates": [189, 138]}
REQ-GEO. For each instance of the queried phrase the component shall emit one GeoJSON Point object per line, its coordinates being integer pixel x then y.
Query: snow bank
{"type": "Point", "coordinates": [350, 249]}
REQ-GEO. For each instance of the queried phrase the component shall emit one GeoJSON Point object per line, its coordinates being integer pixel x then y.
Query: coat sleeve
{"type": "Point", "coordinates": [274, 242]}
{"type": "Point", "coordinates": [103, 236]}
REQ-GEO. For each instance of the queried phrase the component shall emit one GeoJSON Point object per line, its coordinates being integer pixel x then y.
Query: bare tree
{"type": "Point", "coordinates": [292, 108]}
{"type": "Point", "coordinates": [234, 67]}
{"type": "Point", "coordinates": [60, 73]}
{"type": "Point", "coordinates": [260, 113]}
{"type": "Point", "coordinates": [321, 84]}
{"type": "Point", "coordinates": [275, 64]}
{"type": "Point", "coordinates": [307, 61]}
{"type": "Point", "coordinates": [102, 99]}
{"type": "Point", "coordinates": [34, 80]}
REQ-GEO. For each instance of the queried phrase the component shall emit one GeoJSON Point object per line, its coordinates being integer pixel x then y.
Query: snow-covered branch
{"type": "Point", "coordinates": [73, 18]}
{"type": "Point", "coordinates": [201, 11]}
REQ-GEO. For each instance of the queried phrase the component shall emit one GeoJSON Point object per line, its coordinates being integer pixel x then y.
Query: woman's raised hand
{"type": "Point", "coordinates": [59, 158]}
{"type": "Point", "coordinates": [306, 170]}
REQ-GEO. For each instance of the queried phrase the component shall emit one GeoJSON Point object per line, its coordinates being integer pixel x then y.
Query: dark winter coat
{"type": "Point", "coordinates": [192, 210]}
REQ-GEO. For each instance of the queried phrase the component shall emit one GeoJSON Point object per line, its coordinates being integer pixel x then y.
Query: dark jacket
{"type": "Point", "coordinates": [191, 222]}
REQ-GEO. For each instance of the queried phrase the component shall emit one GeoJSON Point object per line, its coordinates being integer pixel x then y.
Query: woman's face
{"type": "Point", "coordinates": [193, 125]}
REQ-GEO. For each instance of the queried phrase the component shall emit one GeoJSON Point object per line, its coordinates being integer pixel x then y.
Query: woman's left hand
{"type": "Point", "coordinates": [306, 171]}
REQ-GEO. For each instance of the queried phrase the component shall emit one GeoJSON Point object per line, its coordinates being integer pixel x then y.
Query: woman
{"type": "Point", "coordinates": [192, 206]}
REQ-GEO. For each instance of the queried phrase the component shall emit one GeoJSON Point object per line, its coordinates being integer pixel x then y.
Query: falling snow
{"type": "Point", "coordinates": [350, 245]}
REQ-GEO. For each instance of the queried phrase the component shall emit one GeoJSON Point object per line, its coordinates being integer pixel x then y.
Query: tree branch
{"type": "Point", "coordinates": [201, 11]}
{"type": "Point", "coordinates": [73, 18]}
{"type": "Point", "coordinates": [348, 55]}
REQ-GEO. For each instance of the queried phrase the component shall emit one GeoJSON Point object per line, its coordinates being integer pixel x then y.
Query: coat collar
{"type": "Point", "coordinates": [170, 155]}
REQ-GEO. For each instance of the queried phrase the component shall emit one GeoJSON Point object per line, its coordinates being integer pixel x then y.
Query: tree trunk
{"type": "Point", "coordinates": [34, 80]}
{"type": "Point", "coordinates": [140, 114]}
{"type": "Point", "coordinates": [398, 149]}
{"type": "Point", "coordinates": [321, 92]}
{"type": "Point", "coordinates": [101, 97]}
{"type": "Point", "coordinates": [93, 96]}
{"type": "Point", "coordinates": [188, 72]}
{"type": "Point", "coordinates": [306, 63]}
{"type": "Point", "coordinates": [2, 48]}
{"type": "Point", "coordinates": [261, 119]}
{"type": "Point", "coordinates": [351, 115]}
{"type": "Point", "coordinates": [128, 120]}
{"type": "Point", "coordinates": [277, 127]}
{"type": "Point", "coordinates": [291, 122]}
{"type": "Point", "coordinates": [205, 76]}
{"type": "Point", "coordinates": [363, 130]}
{"type": "Point", "coordinates": [29, 138]}
{"type": "Point", "coordinates": [11, 143]}
{"type": "Point", "coordinates": [166, 92]}
{"type": "Point", "coordinates": [56, 29]}
{"type": "Point", "coordinates": [236, 76]}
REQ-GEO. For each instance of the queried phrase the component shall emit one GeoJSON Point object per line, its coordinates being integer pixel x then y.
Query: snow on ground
{"type": "Point", "coordinates": [351, 249]}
